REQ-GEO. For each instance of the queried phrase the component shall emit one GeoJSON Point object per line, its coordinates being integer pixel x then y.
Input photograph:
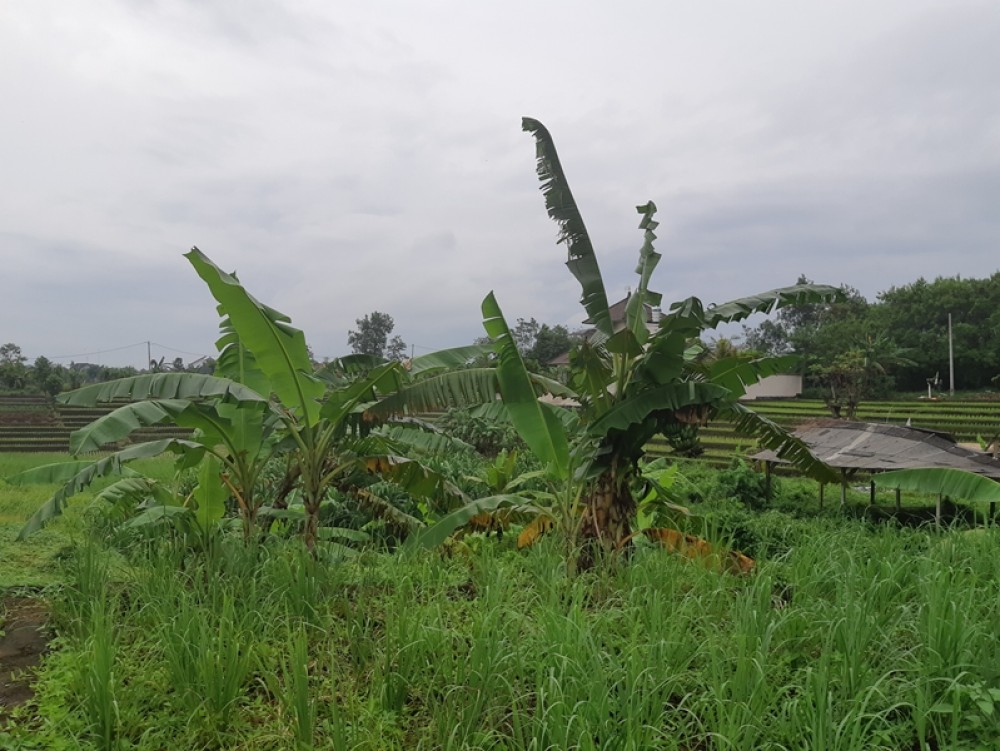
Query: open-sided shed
{"type": "Point", "coordinates": [854, 447]}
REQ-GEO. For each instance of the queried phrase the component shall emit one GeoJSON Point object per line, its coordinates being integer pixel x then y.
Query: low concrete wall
{"type": "Point", "coordinates": [775, 387]}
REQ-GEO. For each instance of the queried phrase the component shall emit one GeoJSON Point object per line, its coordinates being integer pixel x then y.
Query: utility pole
{"type": "Point", "coordinates": [951, 360]}
{"type": "Point", "coordinates": [149, 356]}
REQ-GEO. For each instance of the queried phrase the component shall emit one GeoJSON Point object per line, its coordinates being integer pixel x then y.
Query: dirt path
{"type": "Point", "coordinates": [22, 644]}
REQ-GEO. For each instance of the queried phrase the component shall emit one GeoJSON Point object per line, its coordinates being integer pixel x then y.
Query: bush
{"type": "Point", "coordinates": [742, 483]}
{"type": "Point", "coordinates": [489, 438]}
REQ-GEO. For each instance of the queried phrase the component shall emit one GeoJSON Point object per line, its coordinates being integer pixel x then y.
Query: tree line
{"type": "Point", "coordinates": [46, 377]}
{"type": "Point", "coordinates": [897, 343]}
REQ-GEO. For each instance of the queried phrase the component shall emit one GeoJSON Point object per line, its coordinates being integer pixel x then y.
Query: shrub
{"type": "Point", "coordinates": [741, 482]}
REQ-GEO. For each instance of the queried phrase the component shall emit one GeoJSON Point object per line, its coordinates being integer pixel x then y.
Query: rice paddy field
{"type": "Point", "coordinates": [847, 635]}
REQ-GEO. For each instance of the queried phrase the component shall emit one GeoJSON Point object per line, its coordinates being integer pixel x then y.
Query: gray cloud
{"type": "Point", "coordinates": [351, 158]}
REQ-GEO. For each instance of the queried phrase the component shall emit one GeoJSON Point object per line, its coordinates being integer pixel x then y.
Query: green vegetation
{"type": "Point", "coordinates": [847, 636]}
{"type": "Point", "coordinates": [896, 343]}
{"type": "Point", "coordinates": [310, 564]}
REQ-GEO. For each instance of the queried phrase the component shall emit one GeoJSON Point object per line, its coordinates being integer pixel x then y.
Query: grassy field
{"type": "Point", "coordinates": [847, 636]}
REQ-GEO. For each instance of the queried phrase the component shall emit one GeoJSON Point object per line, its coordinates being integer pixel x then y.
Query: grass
{"type": "Point", "coordinates": [37, 563]}
{"type": "Point", "coordinates": [849, 636]}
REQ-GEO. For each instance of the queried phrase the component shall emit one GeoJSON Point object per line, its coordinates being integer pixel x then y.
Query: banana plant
{"type": "Point", "coordinates": [629, 383]}
{"type": "Point", "coordinates": [632, 383]}
{"type": "Point", "coordinates": [263, 401]}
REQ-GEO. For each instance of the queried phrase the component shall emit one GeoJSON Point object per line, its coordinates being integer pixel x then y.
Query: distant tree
{"type": "Point", "coordinates": [396, 349]}
{"type": "Point", "coordinates": [372, 337]}
{"type": "Point", "coordinates": [46, 376]}
{"type": "Point", "coordinates": [177, 365]}
{"type": "Point", "coordinates": [916, 315]}
{"type": "Point", "coordinates": [13, 373]}
{"type": "Point", "coordinates": [815, 331]}
{"type": "Point", "coordinates": [524, 334]}
{"type": "Point", "coordinates": [550, 342]}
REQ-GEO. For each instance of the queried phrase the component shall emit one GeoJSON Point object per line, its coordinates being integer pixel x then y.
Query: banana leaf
{"type": "Point", "coordinates": [634, 409]}
{"type": "Point", "coordinates": [437, 533]}
{"type": "Point", "coordinates": [161, 386]}
{"type": "Point", "coordinates": [736, 373]}
{"type": "Point", "coordinates": [278, 347]}
{"type": "Point", "coordinates": [563, 210]}
{"type": "Point", "coordinates": [635, 310]}
{"type": "Point", "coordinates": [86, 475]}
{"type": "Point", "coordinates": [784, 444]}
{"type": "Point", "coordinates": [535, 422]}
{"type": "Point", "coordinates": [955, 483]}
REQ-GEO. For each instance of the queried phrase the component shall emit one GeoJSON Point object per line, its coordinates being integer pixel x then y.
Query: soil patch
{"type": "Point", "coordinates": [22, 645]}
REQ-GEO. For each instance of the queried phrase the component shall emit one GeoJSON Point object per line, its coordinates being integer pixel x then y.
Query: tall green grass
{"type": "Point", "coordinates": [847, 637]}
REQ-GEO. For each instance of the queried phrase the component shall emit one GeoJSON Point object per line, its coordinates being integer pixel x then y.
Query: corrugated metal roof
{"type": "Point", "coordinates": [876, 447]}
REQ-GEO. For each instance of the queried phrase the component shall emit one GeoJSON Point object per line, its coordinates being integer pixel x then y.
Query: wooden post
{"type": "Point", "coordinates": [937, 512]}
{"type": "Point", "coordinates": [822, 485]}
{"type": "Point", "coordinates": [843, 488]}
{"type": "Point", "coordinates": [871, 496]}
{"type": "Point", "coordinates": [898, 503]}
{"type": "Point", "coordinates": [767, 478]}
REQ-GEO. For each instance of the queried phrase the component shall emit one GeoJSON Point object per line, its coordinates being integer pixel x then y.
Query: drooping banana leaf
{"type": "Point", "coordinates": [86, 475]}
{"type": "Point", "coordinates": [279, 348]}
{"type": "Point", "coordinates": [416, 479]}
{"type": "Point", "coordinates": [118, 424]}
{"type": "Point", "coordinates": [380, 508]}
{"type": "Point", "coordinates": [132, 491]}
{"type": "Point", "coordinates": [432, 536]}
{"type": "Point", "coordinates": [421, 441]}
{"type": "Point", "coordinates": [635, 311]}
{"type": "Point", "coordinates": [784, 444]}
{"type": "Point", "coordinates": [955, 483]}
{"type": "Point", "coordinates": [161, 386]}
{"type": "Point", "coordinates": [736, 373]}
{"type": "Point", "coordinates": [634, 409]}
{"type": "Point", "coordinates": [459, 388]}
{"type": "Point", "coordinates": [535, 422]}
{"type": "Point", "coordinates": [563, 210]}
{"type": "Point", "coordinates": [456, 357]}
{"type": "Point", "coordinates": [48, 473]}
{"type": "Point", "coordinates": [766, 302]}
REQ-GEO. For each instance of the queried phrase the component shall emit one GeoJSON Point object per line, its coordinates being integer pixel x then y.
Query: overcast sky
{"type": "Point", "coordinates": [350, 157]}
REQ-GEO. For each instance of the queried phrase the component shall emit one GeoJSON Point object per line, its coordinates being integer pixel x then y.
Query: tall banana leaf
{"type": "Point", "coordinates": [562, 208]}
{"type": "Point", "coordinates": [955, 483]}
{"type": "Point", "coordinates": [278, 347]}
{"type": "Point", "coordinates": [236, 362]}
{"type": "Point", "coordinates": [210, 494]}
{"type": "Point", "coordinates": [635, 311]}
{"type": "Point", "coordinates": [535, 422]}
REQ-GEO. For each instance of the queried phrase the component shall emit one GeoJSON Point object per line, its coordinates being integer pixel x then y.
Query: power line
{"type": "Point", "coordinates": [96, 352]}
{"type": "Point", "coordinates": [127, 346]}
{"type": "Point", "coordinates": [181, 351]}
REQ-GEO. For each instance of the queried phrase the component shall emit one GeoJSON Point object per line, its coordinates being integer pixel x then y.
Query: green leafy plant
{"type": "Point", "coordinates": [263, 402]}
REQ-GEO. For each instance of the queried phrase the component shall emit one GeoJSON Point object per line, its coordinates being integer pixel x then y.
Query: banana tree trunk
{"type": "Point", "coordinates": [605, 526]}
